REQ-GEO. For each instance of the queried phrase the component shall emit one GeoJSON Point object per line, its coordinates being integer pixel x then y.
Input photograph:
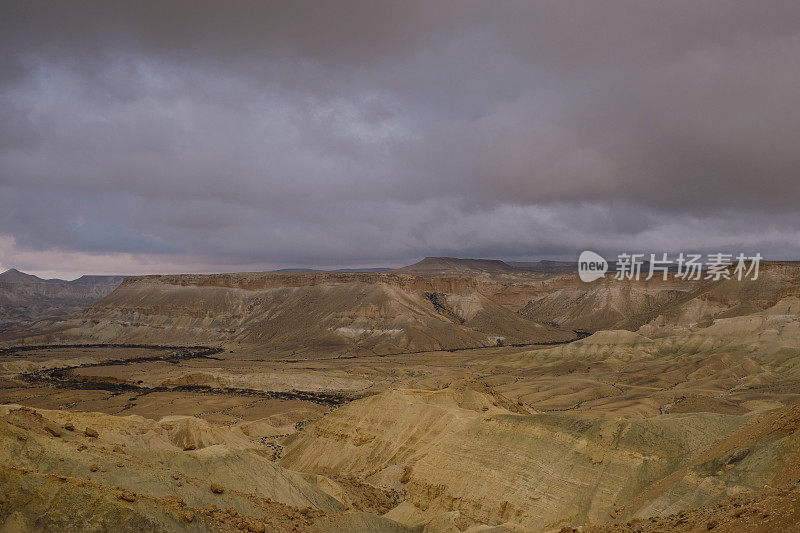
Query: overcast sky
{"type": "Point", "coordinates": [223, 136]}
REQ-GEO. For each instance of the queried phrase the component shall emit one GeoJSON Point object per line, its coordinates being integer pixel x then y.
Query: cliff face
{"type": "Point", "coordinates": [657, 305]}
{"type": "Point", "coordinates": [254, 281]}
{"type": "Point", "coordinates": [394, 312]}
{"type": "Point", "coordinates": [25, 299]}
{"type": "Point", "coordinates": [308, 313]}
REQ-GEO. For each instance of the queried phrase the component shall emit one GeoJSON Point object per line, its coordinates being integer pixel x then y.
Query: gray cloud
{"type": "Point", "coordinates": [250, 135]}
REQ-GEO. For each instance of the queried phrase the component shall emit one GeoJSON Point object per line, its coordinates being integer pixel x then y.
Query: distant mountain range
{"type": "Point", "coordinates": [25, 299]}
{"type": "Point", "coordinates": [454, 265]}
{"type": "Point", "coordinates": [302, 270]}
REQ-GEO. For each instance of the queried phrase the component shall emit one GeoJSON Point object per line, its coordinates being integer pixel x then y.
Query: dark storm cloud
{"type": "Point", "coordinates": [259, 134]}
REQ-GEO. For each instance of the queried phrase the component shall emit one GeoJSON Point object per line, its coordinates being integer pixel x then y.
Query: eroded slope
{"type": "Point", "coordinates": [307, 314]}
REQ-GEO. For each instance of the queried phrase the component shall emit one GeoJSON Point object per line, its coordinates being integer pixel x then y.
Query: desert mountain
{"type": "Point", "coordinates": [546, 267]}
{"type": "Point", "coordinates": [394, 312]}
{"type": "Point", "coordinates": [616, 426]}
{"type": "Point", "coordinates": [310, 270]}
{"type": "Point", "coordinates": [612, 304]}
{"type": "Point", "coordinates": [453, 265]}
{"type": "Point", "coordinates": [678, 413]}
{"type": "Point", "coordinates": [25, 299]}
{"type": "Point", "coordinates": [309, 313]}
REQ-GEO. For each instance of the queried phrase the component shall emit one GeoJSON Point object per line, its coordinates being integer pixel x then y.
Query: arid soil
{"type": "Point", "coordinates": [679, 413]}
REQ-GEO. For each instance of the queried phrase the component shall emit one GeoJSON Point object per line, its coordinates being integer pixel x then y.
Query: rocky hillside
{"type": "Point", "coordinates": [685, 417]}
{"type": "Point", "coordinates": [318, 313]}
{"type": "Point", "coordinates": [314, 313]}
{"type": "Point", "coordinates": [26, 299]}
{"type": "Point", "coordinates": [63, 471]}
{"type": "Point", "coordinates": [565, 301]}
{"type": "Point", "coordinates": [465, 455]}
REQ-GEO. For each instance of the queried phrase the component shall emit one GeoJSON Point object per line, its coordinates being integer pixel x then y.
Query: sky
{"type": "Point", "coordinates": [197, 136]}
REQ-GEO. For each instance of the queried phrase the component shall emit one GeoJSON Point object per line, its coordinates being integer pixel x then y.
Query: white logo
{"type": "Point", "coordinates": [690, 267]}
{"type": "Point", "coordinates": [591, 266]}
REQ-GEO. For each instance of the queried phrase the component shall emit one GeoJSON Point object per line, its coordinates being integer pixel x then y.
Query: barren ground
{"type": "Point", "coordinates": [686, 421]}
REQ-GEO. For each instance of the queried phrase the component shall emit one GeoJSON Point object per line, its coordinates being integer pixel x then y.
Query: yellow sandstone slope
{"type": "Point", "coordinates": [67, 471]}
{"type": "Point", "coordinates": [467, 456]}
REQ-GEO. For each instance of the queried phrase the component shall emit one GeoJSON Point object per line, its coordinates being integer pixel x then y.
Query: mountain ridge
{"type": "Point", "coordinates": [26, 299]}
{"type": "Point", "coordinates": [435, 265]}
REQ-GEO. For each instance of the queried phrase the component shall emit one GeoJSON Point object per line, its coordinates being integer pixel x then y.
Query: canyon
{"type": "Point", "coordinates": [448, 396]}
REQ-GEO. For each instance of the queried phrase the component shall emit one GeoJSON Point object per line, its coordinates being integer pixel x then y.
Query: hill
{"type": "Point", "coordinates": [467, 455]}
{"type": "Point", "coordinates": [661, 305]}
{"type": "Point", "coordinates": [307, 313]}
{"type": "Point", "coordinates": [92, 472]}
{"type": "Point", "coordinates": [453, 265]}
{"type": "Point", "coordinates": [679, 413]}
{"type": "Point", "coordinates": [26, 299]}
{"type": "Point", "coordinates": [476, 303]}
{"type": "Point", "coordinates": [546, 267]}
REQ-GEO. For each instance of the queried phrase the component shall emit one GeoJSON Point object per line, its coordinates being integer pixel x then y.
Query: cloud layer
{"type": "Point", "coordinates": [199, 136]}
